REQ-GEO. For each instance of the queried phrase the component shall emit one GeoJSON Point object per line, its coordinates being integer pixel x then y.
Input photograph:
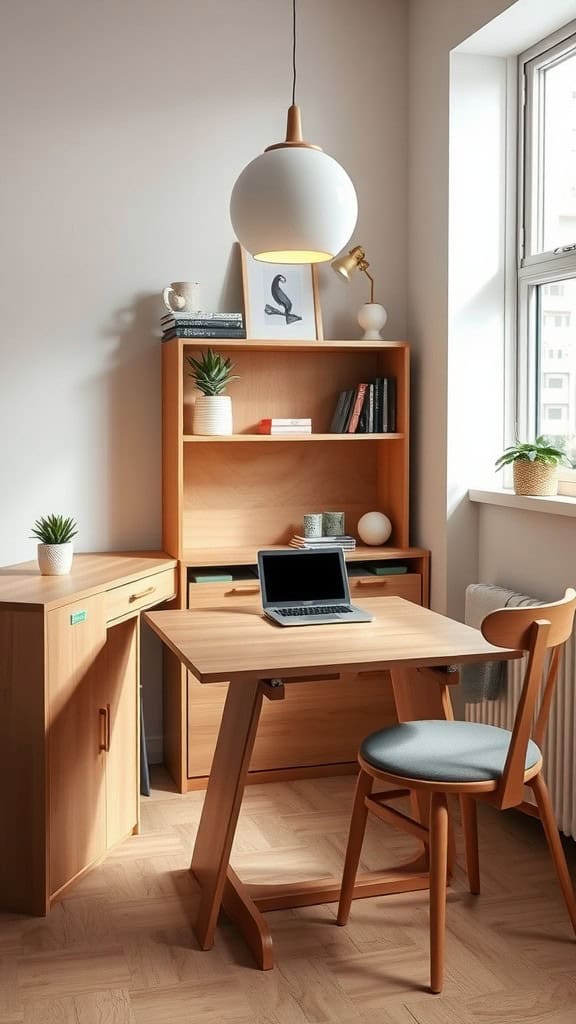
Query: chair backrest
{"type": "Point", "coordinates": [535, 630]}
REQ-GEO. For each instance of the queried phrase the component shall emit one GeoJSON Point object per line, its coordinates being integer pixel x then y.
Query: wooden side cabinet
{"type": "Point", "coordinates": [69, 716]}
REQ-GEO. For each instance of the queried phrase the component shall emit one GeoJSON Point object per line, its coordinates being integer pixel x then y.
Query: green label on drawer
{"type": "Point", "coordinates": [77, 617]}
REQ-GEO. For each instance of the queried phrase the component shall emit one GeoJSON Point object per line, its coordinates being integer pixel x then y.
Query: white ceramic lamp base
{"type": "Point", "coordinates": [372, 317]}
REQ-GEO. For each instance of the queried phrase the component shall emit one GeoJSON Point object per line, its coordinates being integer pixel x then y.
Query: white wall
{"type": "Point", "coordinates": [124, 126]}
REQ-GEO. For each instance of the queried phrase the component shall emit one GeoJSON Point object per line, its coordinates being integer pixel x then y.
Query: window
{"type": "Point", "coordinates": [547, 241]}
{"type": "Point", "coordinates": [555, 381]}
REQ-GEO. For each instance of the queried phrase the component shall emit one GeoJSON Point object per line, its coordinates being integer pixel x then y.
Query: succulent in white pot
{"type": "Point", "coordinates": [212, 374]}
{"type": "Point", "coordinates": [55, 550]}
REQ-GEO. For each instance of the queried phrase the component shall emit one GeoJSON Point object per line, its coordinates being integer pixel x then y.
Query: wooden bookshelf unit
{"type": "Point", "coordinates": [226, 497]}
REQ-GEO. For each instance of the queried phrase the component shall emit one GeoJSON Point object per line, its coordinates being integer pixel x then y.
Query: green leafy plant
{"type": "Point", "coordinates": [212, 373]}
{"type": "Point", "coordinates": [54, 529]}
{"type": "Point", "coordinates": [539, 450]}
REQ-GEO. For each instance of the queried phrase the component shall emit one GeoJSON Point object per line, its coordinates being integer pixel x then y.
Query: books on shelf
{"type": "Point", "coordinates": [202, 332]}
{"type": "Point", "coordinates": [199, 316]}
{"type": "Point", "coordinates": [285, 426]}
{"type": "Point", "coordinates": [198, 324]}
{"type": "Point", "coordinates": [369, 408]}
{"type": "Point", "coordinates": [345, 541]}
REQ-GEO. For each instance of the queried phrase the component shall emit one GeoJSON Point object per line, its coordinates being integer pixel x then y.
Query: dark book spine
{"type": "Point", "coordinates": [356, 408]}
{"type": "Point", "coordinates": [202, 332]}
{"type": "Point", "coordinates": [392, 405]}
{"type": "Point", "coordinates": [385, 396]}
{"type": "Point", "coordinates": [378, 405]}
{"type": "Point", "coordinates": [212, 325]}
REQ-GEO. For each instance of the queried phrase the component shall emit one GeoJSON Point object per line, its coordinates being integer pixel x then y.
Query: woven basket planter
{"type": "Point", "coordinates": [539, 478]}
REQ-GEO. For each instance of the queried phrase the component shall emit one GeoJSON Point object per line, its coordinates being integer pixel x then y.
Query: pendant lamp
{"type": "Point", "coordinates": [293, 203]}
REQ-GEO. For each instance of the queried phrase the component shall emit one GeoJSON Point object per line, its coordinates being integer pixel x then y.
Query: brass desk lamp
{"type": "Point", "coordinates": [371, 316]}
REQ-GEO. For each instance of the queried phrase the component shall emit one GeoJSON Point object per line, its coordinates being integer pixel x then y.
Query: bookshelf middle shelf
{"type": "Point", "coordinates": [249, 438]}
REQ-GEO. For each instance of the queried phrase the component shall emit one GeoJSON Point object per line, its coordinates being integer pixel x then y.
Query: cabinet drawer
{"type": "Point", "coordinates": [224, 595]}
{"type": "Point", "coordinates": [408, 586]}
{"type": "Point", "coordinates": [141, 593]}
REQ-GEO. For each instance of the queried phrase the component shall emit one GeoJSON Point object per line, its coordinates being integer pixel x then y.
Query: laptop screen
{"type": "Point", "coordinates": [300, 576]}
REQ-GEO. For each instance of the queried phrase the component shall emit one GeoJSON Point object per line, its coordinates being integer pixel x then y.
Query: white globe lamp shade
{"type": "Point", "coordinates": [293, 203]}
{"type": "Point", "coordinates": [374, 528]}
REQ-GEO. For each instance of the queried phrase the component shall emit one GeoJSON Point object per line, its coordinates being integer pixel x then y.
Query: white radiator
{"type": "Point", "coordinates": [560, 745]}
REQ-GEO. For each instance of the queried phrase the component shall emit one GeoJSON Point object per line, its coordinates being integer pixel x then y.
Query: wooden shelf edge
{"type": "Point", "coordinates": [281, 345]}
{"type": "Point", "coordinates": [251, 438]}
{"type": "Point", "coordinates": [248, 555]}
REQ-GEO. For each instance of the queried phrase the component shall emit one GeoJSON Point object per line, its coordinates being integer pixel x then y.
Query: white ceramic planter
{"type": "Point", "coordinates": [212, 414]}
{"type": "Point", "coordinates": [55, 559]}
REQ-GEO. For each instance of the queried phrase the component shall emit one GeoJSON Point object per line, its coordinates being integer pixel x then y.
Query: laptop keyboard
{"type": "Point", "coordinates": [330, 609]}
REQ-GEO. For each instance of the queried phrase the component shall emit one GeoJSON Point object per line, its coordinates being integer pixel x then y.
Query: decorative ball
{"type": "Point", "coordinates": [374, 528]}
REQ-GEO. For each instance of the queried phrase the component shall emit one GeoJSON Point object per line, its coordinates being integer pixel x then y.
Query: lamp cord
{"type": "Point", "coordinates": [293, 52]}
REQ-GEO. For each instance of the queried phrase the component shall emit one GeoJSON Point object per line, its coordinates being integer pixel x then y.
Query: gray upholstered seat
{"type": "Point", "coordinates": [442, 751]}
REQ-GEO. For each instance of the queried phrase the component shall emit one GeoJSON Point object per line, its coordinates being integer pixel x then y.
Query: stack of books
{"type": "Point", "coordinates": [317, 543]}
{"type": "Point", "coordinates": [285, 426]}
{"type": "Point", "coordinates": [202, 325]}
{"type": "Point", "coordinates": [366, 409]}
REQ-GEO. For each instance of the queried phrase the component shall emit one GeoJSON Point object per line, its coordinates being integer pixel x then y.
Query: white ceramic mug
{"type": "Point", "coordinates": [182, 296]}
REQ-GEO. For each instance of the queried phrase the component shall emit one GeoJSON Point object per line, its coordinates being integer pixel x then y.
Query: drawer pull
{"type": "Point", "coordinates": [372, 581]}
{"type": "Point", "coordinates": [104, 724]}
{"type": "Point", "coordinates": [143, 593]}
{"type": "Point", "coordinates": [245, 590]}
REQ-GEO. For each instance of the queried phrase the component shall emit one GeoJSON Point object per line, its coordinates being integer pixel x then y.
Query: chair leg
{"type": "Point", "coordinates": [438, 864]}
{"type": "Point", "coordinates": [355, 840]}
{"type": "Point", "coordinates": [470, 827]}
{"type": "Point", "coordinates": [554, 843]}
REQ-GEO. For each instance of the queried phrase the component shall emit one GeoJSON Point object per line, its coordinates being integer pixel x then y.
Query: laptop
{"type": "Point", "coordinates": [307, 588]}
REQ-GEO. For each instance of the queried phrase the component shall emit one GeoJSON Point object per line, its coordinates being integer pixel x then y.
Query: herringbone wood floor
{"type": "Point", "coordinates": [119, 949]}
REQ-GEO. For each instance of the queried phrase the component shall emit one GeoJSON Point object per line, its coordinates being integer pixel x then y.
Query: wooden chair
{"type": "Point", "coordinates": [474, 761]}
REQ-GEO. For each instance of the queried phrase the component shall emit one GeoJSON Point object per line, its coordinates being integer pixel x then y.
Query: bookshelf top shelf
{"type": "Point", "coordinates": [281, 345]}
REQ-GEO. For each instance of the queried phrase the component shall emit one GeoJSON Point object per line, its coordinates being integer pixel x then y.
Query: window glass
{"type": "Point", "coordinates": [557, 365]}
{"type": "Point", "coordinates": [559, 154]}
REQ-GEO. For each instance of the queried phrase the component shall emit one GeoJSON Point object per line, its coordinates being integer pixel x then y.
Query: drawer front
{"type": "Point", "coordinates": [141, 593]}
{"type": "Point", "coordinates": [408, 586]}
{"type": "Point", "coordinates": [224, 595]}
{"type": "Point", "coordinates": [318, 723]}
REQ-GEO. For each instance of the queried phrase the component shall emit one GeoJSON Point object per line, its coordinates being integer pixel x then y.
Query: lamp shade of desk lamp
{"type": "Point", "coordinates": [371, 316]}
{"type": "Point", "coordinates": [293, 203]}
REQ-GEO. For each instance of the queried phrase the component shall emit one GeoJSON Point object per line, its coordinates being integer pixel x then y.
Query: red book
{"type": "Point", "coordinates": [356, 408]}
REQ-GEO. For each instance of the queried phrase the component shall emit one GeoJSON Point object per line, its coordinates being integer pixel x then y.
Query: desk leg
{"type": "Point", "coordinates": [418, 695]}
{"type": "Point", "coordinates": [222, 802]}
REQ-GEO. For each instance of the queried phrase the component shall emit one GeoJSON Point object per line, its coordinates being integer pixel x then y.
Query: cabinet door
{"type": "Point", "coordinates": [118, 695]}
{"type": "Point", "coordinates": [76, 641]}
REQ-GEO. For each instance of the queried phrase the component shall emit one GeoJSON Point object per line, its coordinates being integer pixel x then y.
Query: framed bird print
{"type": "Point", "coordinates": [280, 300]}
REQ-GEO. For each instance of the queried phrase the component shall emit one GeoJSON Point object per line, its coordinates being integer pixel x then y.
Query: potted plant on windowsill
{"type": "Point", "coordinates": [55, 549]}
{"type": "Point", "coordinates": [212, 374]}
{"type": "Point", "coordinates": [535, 466]}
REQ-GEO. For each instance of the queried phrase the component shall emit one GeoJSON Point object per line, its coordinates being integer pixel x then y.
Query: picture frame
{"type": "Point", "coordinates": [281, 300]}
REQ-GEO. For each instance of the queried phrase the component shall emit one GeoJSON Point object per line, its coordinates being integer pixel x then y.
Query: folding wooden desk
{"type": "Point", "coordinates": [259, 658]}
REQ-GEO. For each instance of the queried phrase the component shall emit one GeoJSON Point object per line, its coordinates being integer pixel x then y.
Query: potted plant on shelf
{"type": "Point", "coordinates": [535, 466]}
{"type": "Point", "coordinates": [55, 549]}
{"type": "Point", "coordinates": [212, 374]}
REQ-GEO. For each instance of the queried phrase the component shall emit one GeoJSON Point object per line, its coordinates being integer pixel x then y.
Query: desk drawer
{"type": "Point", "coordinates": [408, 586]}
{"type": "Point", "coordinates": [224, 595]}
{"type": "Point", "coordinates": [141, 593]}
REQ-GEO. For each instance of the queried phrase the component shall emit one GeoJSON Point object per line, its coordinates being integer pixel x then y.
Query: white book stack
{"type": "Point", "coordinates": [318, 543]}
{"type": "Point", "coordinates": [286, 426]}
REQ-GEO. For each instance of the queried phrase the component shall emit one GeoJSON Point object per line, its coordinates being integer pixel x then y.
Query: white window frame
{"type": "Point", "coordinates": [540, 268]}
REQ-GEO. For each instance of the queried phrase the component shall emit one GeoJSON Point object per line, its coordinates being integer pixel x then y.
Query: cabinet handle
{"type": "Point", "coordinates": [245, 590]}
{"type": "Point", "coordinates": [370, 581]}
{"type": "Point", "coordinates": [143, 593]}
{"type": "Point", "coordinates": [104, 720]}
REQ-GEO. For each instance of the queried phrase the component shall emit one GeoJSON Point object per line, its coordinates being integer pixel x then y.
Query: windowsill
{"type": "Point", "coordinates": [558, 505]}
